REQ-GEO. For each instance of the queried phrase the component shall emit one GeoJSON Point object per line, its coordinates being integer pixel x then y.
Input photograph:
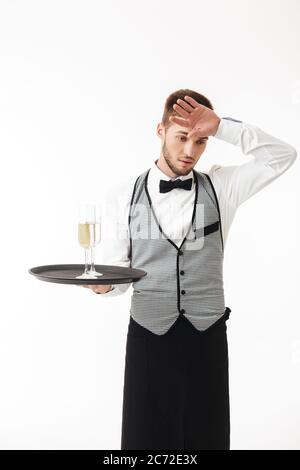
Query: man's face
{"type": "Point", "coordinates": [180, 153]}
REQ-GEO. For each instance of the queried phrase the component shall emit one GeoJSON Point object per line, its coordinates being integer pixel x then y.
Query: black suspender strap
{"type": "Point", "coordinates": [217, 202]}
{"type": "Point", "coordinates": [129, 218]}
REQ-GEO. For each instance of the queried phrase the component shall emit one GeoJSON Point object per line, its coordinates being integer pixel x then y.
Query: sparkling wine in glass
{"type": "Point", "coordinates": [89, 236]}
{"type": "Point", "coordinates": [95, 234]}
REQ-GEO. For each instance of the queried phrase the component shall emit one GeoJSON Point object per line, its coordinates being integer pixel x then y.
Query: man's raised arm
{"type": "Point", "coordinates": [272, 157]}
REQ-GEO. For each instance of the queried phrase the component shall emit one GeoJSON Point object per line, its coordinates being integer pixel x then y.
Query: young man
{"type": "Point", "coordinates": [173, 221]}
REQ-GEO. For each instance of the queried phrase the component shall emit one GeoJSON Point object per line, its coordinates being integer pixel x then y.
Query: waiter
{"type": "Point", "coordinates": [175, 220]}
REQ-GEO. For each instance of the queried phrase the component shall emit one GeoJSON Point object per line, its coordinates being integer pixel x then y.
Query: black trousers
{"type": "Point", "coordinates": [176, 388]}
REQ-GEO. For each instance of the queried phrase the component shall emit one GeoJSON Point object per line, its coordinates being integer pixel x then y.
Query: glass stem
{"type": "Point", "coordinates": [92, 258]}
{"type": "Point", "coordinates": [86, 252]}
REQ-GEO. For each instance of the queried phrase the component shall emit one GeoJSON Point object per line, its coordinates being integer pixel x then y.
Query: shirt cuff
{"type": "Point", "coordinates": [229, 130]}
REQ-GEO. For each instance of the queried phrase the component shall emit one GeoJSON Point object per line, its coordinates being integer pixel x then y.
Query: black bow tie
{"type": "Point", "coordinates": [166, 186]}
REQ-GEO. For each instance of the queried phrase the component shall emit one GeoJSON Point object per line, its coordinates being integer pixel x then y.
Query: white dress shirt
{"type": "Point", "coordinates": [233, 185]}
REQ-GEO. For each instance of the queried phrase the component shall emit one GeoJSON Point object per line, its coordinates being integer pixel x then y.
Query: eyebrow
{"type": "Point", "coordinates": [186, 133]}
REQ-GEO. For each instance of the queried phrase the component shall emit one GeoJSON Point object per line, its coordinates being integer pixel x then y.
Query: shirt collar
{"type": "Point", "coordinates": [157, 174]}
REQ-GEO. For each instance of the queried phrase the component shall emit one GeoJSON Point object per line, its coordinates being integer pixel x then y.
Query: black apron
{"type": "Point", "coordinates": [176, 387]}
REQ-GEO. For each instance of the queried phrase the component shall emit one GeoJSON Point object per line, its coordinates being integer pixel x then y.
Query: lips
{"type": "Point", "coordinates": [185, 161]}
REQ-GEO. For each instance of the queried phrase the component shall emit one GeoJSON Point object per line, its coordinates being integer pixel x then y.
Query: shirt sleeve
{"type": "Point", "coordinates": [114, 244]}
{"type": "Point", "coordinates": [272, 157]}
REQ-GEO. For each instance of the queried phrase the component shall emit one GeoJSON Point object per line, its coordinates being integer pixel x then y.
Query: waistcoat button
{"type": "Point", "coordinates": [182, 310]}
{"type": "Point", "coordinates": [180, 252]}
{"type": "Point", "coordinates": [182, 273]}
{"type": "Point", "coordinates": [183, 291]}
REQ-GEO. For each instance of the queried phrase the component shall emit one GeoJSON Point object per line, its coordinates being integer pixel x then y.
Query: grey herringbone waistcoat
{"type": "Point", "coordinates": [185, 280]}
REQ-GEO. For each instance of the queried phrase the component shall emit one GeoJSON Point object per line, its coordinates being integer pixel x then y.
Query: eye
{"type": "Point", "coordinates": [199, 141]}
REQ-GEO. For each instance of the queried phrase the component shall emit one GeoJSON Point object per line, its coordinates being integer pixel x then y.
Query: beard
{"type": "Point", "coordinates": [172, 166]}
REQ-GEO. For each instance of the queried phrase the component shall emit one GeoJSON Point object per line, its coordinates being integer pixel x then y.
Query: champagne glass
{"type": "Point", "coordinates": [95, 223]}
{"type": "Point", "coordinates": [88, 234]}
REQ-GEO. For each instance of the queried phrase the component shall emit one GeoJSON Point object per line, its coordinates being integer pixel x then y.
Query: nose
{"type": "Point", "coordinates": [188, 147]}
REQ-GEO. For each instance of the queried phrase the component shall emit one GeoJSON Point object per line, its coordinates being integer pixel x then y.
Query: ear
{"type": "Point", "coordinates": [159, 130]}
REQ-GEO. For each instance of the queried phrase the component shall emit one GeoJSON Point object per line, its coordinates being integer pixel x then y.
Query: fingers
{"type": "Point", "coordinates": [179, 121]}
{"type": "Point", "coordinates": [93, 287]}
{"type": "Point", "coordinates": [193, 102]}
{"type": "Point", "coordinates": [181, 111]}
{"type": "Point", "coordinates": [185, 105]}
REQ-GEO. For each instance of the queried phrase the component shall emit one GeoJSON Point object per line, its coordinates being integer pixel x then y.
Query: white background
{"type": "Point", "coordinates": [82, 88]}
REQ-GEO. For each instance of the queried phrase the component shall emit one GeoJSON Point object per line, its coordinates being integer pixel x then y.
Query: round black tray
{"type": "Point", "coordinates": [66, 274]}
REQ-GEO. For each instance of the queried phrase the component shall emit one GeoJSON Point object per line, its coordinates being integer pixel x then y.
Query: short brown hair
{"type": "Point", "coordinates": [172, 99]}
